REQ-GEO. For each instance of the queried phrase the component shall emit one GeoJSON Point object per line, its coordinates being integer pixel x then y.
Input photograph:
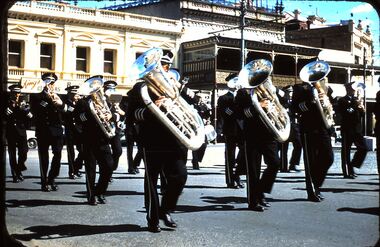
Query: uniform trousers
{"type": "Point", "coordinates": [173, 165]}
{"type": "Point", "coordinates": [318, 157]}
{"type": "Point", "coordinates": [349, 138]}
{"type": "Point", "coordinates": [17, 146]}
{"type": "Point", "coordinates": [97, 154]}
{"type": "Point", "coordinates": [231, 142]}
{"type": "Point", "coordinates": [258, 185]}
{"type": "Point", "coordinates": [45, 140]}
{"type": "Point", "coordinates": [295, 139]}
{"type": "Point", "coordinates": [116, 150]}
{"type": "Point", "coordinates": [133, 163]}
{"type": "Point", "coordinates": [75, 164]}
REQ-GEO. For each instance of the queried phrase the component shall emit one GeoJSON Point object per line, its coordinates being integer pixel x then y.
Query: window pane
{"type": "Point", "coordinates": [109, 61]}
{"type": "Point", "coordinates": [15, 46]}
{"type": "Point", "coordinates": [14, 60]}
{"type": "Point", "coordinates": [14, 53]}
{"type": "Point", "coordinates": [46, 49]}
{"type": "Point", "coordinates": [81, 52]}
{"type": "Point", "coordinates": [81, 59]}
{"type": "Point", "coordinates": [46, 56]}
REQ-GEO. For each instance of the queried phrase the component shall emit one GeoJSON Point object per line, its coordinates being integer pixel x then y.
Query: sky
{"type": "Point", "coordinates": [331, 11]}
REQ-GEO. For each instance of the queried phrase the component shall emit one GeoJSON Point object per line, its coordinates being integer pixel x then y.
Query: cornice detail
{"type": "Point", "coordinates": [83, 37]}
{"type": "Point", "coordinates": [49, 33]}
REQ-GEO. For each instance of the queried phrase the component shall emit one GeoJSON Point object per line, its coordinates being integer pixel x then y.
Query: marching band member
{"type": "Point", "coordinates": [231, 130]}
{"type": "Point", "coordinates": [259, 139]}
{"type": "Point", "coordinates": [377, 128]}
{"type": "Point", "coordinates": [96, 144]}
{"type": "Point", "coordinates": [17, 116]}
{"type": "Point", "coordinates": [47, 107]}
{"type": "Point", "coordinates": [352, 111]}
{"type": "Point", "coordinates": [316, 138]}
{"type": "Point", "coordinates": [73, 132]}
{"type": "Point", "coordinates": [118, 118]}
{"type": "Point", "coordinates": [258, 142]}
{"type": "Point", "coordinates": [161, 151]}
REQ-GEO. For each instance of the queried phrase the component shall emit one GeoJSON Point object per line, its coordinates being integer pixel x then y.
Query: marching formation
{"type": "Point", "coordinates": [166, 120]}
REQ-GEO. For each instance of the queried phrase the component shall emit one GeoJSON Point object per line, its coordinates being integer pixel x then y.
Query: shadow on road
{"type": "Point", "coordinates": [372, 211]}
{"type": "Point", "coordinates": [73, 230]}
{"type": "Point", "coordinates": [38, 203]}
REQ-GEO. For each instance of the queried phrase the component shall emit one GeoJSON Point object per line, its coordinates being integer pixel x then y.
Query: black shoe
{"type": "Point", "coordinates": [256, 207]}
{"type": "Point", "coordinates": [351, 171]}
{"type": "Point", "coordinates": [101, 199]}
{"type": "Point", "coordinates": [92, 201]}
{"type": "Point", "coordinates": [264, 203]}
{"type": "Point", "coordinates": [71, 176]}
{"type": "Point", "coordinates": [131, 171]}
{"type": "Point", "coordinates": [319, 194]}
{"type": "Point", "coordinates": [195, 166]}
{"type": "Point", "coordinates": [232, 186]}
{"type": "Point", "coordinates": [313, 198]}
{"type": "Point", "coordinates": [20, 177]}
{"type": "Point", "coordinates": [294, 168]}
{"type": "Point", "coordinates": [78, 174]}
{"type": "Point", "coordinates": [111, 180]}
{"type": "Point", "coordinates": [168, 221]}
{"type": "Point", "coordinates": [45, 188]}
{"type": "Point", "coordinates": [137, 170]}
{"type": "Point", "coordinates": [154, 228]}
{"type": "Point", "coordinates": [349, 176]}
{"type": "Point", "coordinates": [16, 179]}
{"type": "Point", "coordinates": [53, 186]}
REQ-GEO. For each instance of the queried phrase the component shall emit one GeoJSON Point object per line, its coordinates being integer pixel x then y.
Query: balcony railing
{"type": "Point", "coordinates": [74, 13]}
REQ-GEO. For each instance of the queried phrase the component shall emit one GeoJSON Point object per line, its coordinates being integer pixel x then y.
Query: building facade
{"type": "Point", "coordinates": [76, 43]}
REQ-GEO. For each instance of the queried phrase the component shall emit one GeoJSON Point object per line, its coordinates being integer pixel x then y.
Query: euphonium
{"type": "Point", "coordinates": [315, 73]}
{"type": "Point", "coordinates": [93, 88]}
{"type": "Point", "coordinates": [175, 113]}
{"type": "Point", "coordinates": [255, 75]}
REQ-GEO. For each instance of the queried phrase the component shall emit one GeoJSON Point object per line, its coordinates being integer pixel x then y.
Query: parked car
{"type": "Point", "coordinates": [31, 138]}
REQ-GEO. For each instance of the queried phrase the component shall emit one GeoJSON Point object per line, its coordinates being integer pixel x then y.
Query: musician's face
{"type": "Point", "coordinates": [166, 67]}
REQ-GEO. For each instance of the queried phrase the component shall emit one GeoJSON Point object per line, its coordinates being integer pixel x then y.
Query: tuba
{"type": "Point", "coordinates": [92, 88]}
{"type": "Point", "coordinates": [255, 75]}
{"type": "Point", "coordinates": [315, 74]}
{"type": "Point", "coordinates": [175, 113]}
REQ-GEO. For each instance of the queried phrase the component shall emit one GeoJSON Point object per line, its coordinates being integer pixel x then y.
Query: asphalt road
{"type": "Point", "coordinates": [208, 213]}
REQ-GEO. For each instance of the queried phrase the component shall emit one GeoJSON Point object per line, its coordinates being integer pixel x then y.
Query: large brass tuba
{"type": "Point", "coordinates": [175, 113]}
{"type": "Point", "coordinates": [93, 88]}
{"type": "Point", "coordinates": [315, 73]}
{"type": "Point", "coordinates": [256, 75]}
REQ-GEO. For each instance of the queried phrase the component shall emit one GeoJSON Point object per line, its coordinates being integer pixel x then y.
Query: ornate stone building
{"type": "Point", "coordinates": [77, 43]}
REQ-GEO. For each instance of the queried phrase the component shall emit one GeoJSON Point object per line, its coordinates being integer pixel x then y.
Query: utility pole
{"type": "Point", "coordinates": [243, 10]}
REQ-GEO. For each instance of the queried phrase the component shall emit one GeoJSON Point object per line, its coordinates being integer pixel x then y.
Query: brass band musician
{"type": "Point", "coordinates": [352, 111]}
{"type": "Point", "coordinates": [17, 116]}
{"type": "Point", "coordinates": [47, 107]}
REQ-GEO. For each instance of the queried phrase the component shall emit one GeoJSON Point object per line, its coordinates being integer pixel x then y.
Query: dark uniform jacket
{"type": "Point", "coordinates": [254, 127]}
{"type": "Point", "coordinates": [153, 134]}
{"type": "Point", "coordinates": [304, 105]}
{"type": "Point", "coordinates": [226, 111]}
{"type": "Point", "coordinates": [17, 117]}
{"type": "Point", "coordinates": [72, 127]}
{"type": "Point", "coordinates": [351, 115]}
{"type": "Point", "coordinates": [48, 117]}
{"type": "Point", "coordinates": [92, 133]}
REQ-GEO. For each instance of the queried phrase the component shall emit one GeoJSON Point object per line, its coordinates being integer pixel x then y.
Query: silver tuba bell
{"type": "Point", "coordinates": [93, 88]}
{"type": "Point", "coordinates": [315, 73]}
{"type": "Point", "coordinates": [256, 75]}
{"type": "Point", "coordinates": [175, 113]}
